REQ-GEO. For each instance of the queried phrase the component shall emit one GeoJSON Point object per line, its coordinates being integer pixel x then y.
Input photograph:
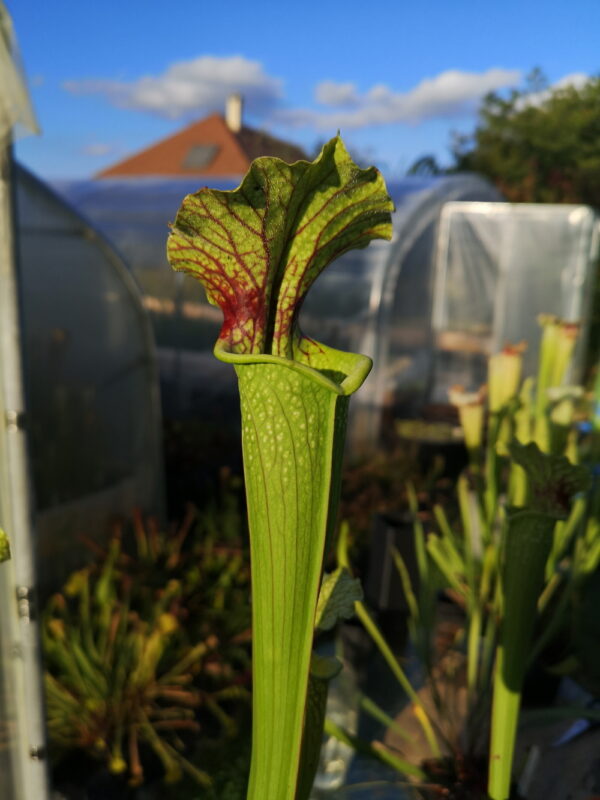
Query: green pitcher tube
{"type": "Point", "coordinates": [293, 427]}
{"type": "Point", "coordinates": [528, 538]}
{"type": "Point", "coordinates": [527, 546]}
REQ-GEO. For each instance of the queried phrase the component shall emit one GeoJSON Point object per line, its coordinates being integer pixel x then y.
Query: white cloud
{"type": "Point", "coordinates": [576, 80]}
{"type": "Point", "coordinates": [448, 94]}
{"type": "Point", "coordinates": [191, 88]}
{"type": "Point", "coordinates": [99, 149]}
{"type": "Point", "coordinates": [188, 88]}
{"type": "Point", "coordinates": [329, 93]}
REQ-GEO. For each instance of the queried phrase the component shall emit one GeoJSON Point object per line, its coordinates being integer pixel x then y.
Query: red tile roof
{"type": "Point", "coordinates": [207, 147]}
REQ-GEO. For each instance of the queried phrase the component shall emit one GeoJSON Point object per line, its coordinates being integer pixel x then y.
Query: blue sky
{"type": "Point", "coordinates": [108, 78]}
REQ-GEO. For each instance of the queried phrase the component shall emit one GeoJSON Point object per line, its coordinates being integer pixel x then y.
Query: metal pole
{"type": "Point", "coordinates": [23, 662]}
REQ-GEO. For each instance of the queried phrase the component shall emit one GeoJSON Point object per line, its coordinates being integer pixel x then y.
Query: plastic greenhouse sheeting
{"type": "Point", "coordinates": [499, 266]}
{"type": "Point", "coordinates": [91, 380]}
{"type": "Point", "coordinates": [376, 301]}
{"type": "Point", "coordinates": [393, 323]}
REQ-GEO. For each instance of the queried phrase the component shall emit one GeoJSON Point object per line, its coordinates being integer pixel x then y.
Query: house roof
{"type": "Point", "coordinates": [206, 147]}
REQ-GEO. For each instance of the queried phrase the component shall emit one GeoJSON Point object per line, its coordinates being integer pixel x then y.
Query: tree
{"type": "Point", "coordinates": [539, 144]}
{"type": "Point", "coordinates": [425, 166]}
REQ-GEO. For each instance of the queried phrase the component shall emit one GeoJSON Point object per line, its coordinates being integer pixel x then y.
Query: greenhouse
{"type": "Point", "coordinates": [90, 374]}
{"type": "Point", "coordinates": [499, 266]}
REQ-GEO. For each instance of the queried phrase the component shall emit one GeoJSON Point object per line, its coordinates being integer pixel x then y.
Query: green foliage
{"type": "Point", "coordinates": [538, 145]}
{"type": "Point", "coordinates": [208, 556]}
{"type": "Point", "coordinates": [146, 647]}
{"type": "Point", "coordinates": [339, 592]}
{"type": "Point", "coordinates": [425, 166]}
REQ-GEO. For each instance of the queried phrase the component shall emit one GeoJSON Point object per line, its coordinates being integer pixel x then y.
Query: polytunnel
{"type": "Point", "coordinates": [376, 301]}
{"type": "Point", "coordinates": [93, 407]}
{"type": "Point", "coordinates": [499, 266]}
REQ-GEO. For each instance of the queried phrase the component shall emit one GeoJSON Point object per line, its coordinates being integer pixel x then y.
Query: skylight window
{"type": "Point", "coordinates": [199, 156]}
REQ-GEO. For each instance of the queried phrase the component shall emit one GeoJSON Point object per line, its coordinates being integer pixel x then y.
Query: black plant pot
{"type": "Point", "coordinates": [81, 778]}
{"type": "Point", "coordinates": [382, 585]}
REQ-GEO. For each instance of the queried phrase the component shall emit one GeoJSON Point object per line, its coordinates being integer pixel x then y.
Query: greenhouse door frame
{"type": "Point", "coordinates": [23, 769]}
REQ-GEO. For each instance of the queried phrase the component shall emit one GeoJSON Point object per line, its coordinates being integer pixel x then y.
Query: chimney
{"type": "Point", "coordinates": [233, 112]}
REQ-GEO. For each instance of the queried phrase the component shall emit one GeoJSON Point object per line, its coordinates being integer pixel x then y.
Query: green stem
{"type": "Point", "coordinates": [490, 491]}
{"type": "Point", "coordinates": [419, 535]}
{"type": "Point", "coordinates": [473, 642]}
{"type": "Point", "coordinates": [392, 662]}
{"type": "Point", "coordinates": [564, 533]}
{"type": "Point", "coordinates": [401, 766]}
{"type": "Point", "coordinates": [373, 710]}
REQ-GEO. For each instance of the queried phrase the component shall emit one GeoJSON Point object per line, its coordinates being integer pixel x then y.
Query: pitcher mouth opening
{"type": "Point", "coordinates": [339, 371]}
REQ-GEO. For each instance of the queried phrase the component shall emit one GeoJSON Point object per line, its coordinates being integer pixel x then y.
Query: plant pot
{"type": "Point", "coordinates": [81, 778]}
{"type": "Point", "coordinates": [382, 586]}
